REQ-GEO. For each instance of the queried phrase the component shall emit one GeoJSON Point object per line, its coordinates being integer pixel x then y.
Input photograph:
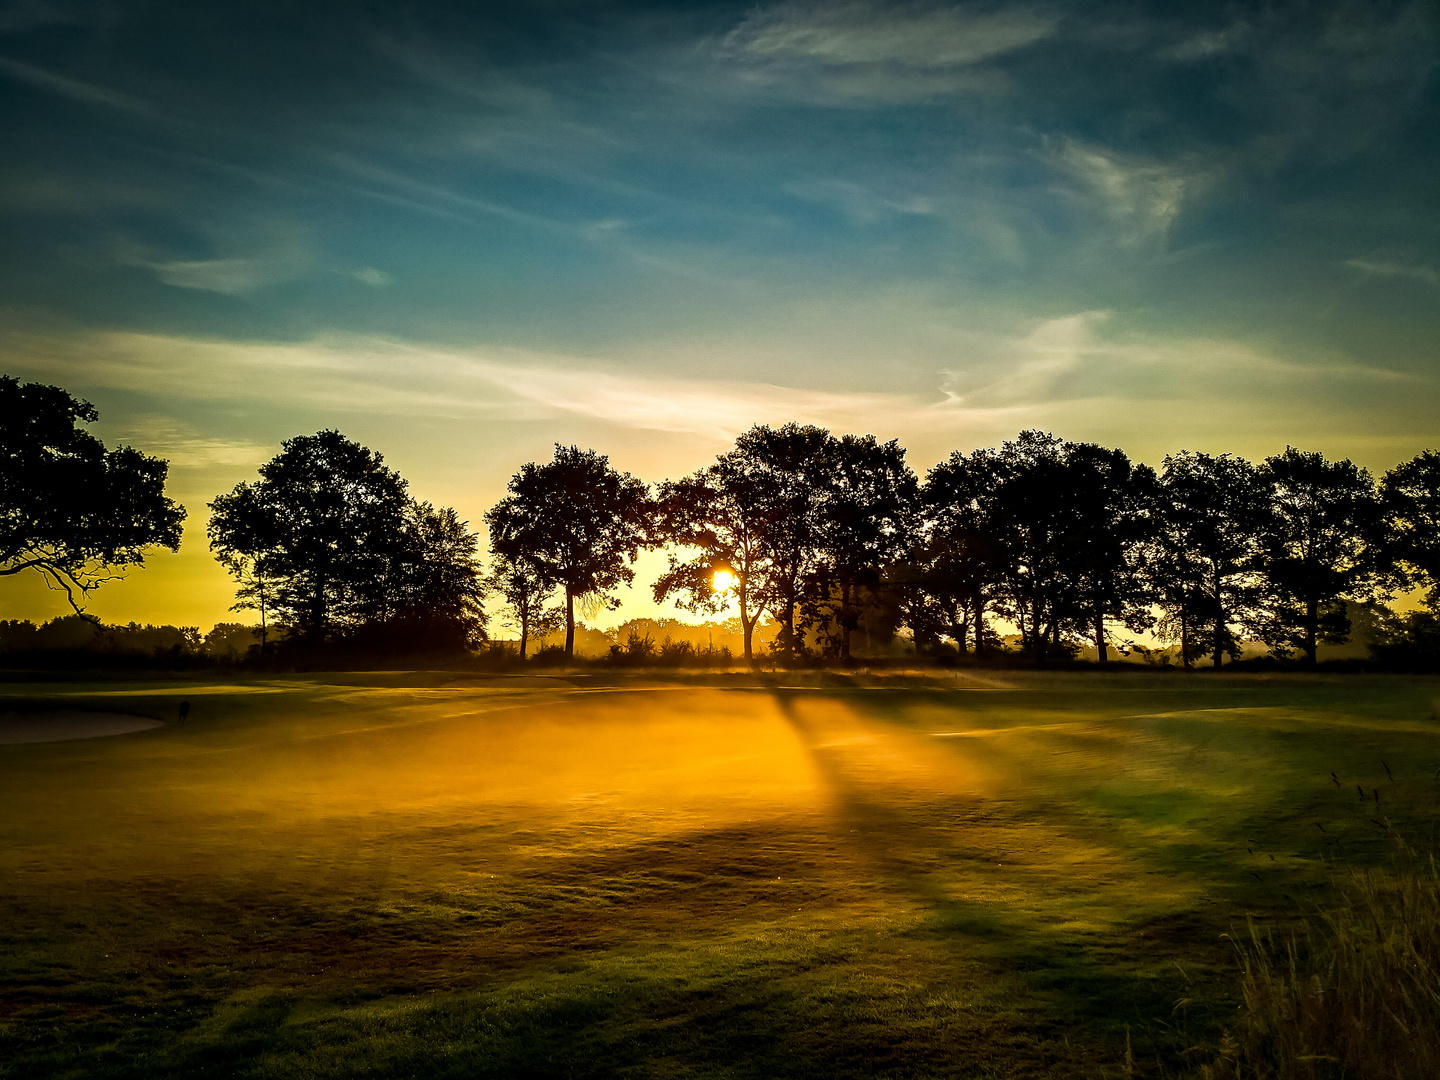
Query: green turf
{"type": "Point", "coordinates": [344, 876]}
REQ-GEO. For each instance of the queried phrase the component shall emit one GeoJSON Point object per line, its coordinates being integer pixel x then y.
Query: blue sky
{"type": "Point", "coordinates": [460, 233]}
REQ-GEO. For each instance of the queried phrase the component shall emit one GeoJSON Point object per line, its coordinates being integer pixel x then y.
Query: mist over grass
{"type": "Point", "coordinates": [806, 874]}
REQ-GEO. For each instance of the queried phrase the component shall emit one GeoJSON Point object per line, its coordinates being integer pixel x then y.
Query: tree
{"type": "Point", "coordinates": [961, 560]}
{"type": "Point", "coordinates": [1071, 520]}
{"type": "Point", "coordinates": [1109, 529]}
{"type": "Point", "coordinates": [723, 514]}
{"type": "Point", "coordinates": [258, 585]}
{"type": "Point", "coordinates": [330, 540]}
{"type": "Point", "coordinates": [1323, 544]}
{"type": "Point", "coordinates": [433, 578]}
{"type": "Point", "coordinates": [525, 592]}
{"type": "Point", "coordinates": [787, 465]}
{"type": "Point", "coordinates": [1212, 513]}
{"type": "Point", "coordinates": [69, 509]}
{"type": "Point", "coordinates": [578, 521]}
{"type": "Point", "coordinates": [1410, 497]}
{"type": "Point", "coordinates": [866, 496]}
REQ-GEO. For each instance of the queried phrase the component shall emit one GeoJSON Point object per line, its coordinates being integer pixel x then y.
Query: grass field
{"type": "Point", "coordinates": [382, 875]}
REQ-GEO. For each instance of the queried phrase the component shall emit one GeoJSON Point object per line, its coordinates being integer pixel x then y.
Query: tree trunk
{"type": "Point", "coordinates": [569, 623]}
{"type": "Point", "coordinates": [1185, 635]}
{"type": "Point", "coordinates": [787, 629]}
{"type": "Point", "coordinates": [524, 635]}
{"type": "Point", "coordinates": [844, 620]}
{"type": "Point", "coordinates": [317, 614]}
{"type": "Point", "coordinates": [1100, 638]}
{"type": "Point", "coordinates": [747, 622]}
{"type": "Point", "coordinates": [979, 602]}
{"type": "Point", "coordinates": [1219, 624]}
{"type": "Point", "coordinates": [1312, 620]}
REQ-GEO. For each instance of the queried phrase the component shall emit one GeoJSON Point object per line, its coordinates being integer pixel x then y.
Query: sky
{"type": "Point", "coordinates": [463, 233]}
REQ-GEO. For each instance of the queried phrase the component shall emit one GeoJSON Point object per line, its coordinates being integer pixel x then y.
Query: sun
{"type": "Point", "coordinates": [724, 580]}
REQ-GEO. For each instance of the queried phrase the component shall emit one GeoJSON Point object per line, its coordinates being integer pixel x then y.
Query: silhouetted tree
{"type": "Point", "coordinates": [1104, 548]}
{"type": "Point", "coordinates": [578, 521]}
{"type": "Point", "coordinates": [1212, 514]}
{"type": "Point", "coordinates": [333, 537]}
{"type": "Point", "coordinates": [787, 465]}
{"type": "Point", "coordinates": [257, 587]}
{"type": "Point", "coordinates": [525, 591]}
{"type": "Point", "coordinates": [1410, 495]}
{"type": "Point", "coordinates": [866, 498]}
{"type": "Point", "coordinates": [1323, 544]}
{"type": "Point", "coordinates": [1072, 522]}
{"type": "Point", "coordinates": [434, 596]}
{"type": "Point", "coordinates": [960, 559]}
{"type": "Point", "coordinates": [69, 509]}
{"type": "Point", "coordinates": [724, 514]}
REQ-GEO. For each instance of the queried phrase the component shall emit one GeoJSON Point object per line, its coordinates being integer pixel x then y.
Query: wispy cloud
{"type": "Point", "coordinates": [861, 52]}
{"type": "Point", "coordinates": [1383, 268]}
{"type": "Point", "coordinates": [230, 277]}
{"type": "Point", "coordinates": [273, 252]}
{"type": "Point", "coordinates": [375, 376]}
{"type": "Point", "coordinates": [1070, 359]}
{"type": "Point", "coordinates": [1140, 196]}
{"type": "Point", "coordinates": [913, 35]}
{"type": "Point", "coordinates": [1063, 373]}
{"type": "Point", "coordinates": [1209, 43]}
{"type": "Point", "coordinates": [376, 279]}
{"type": "Point", "coordinates": [185, 447]}
{"type": "Point", "coordinates": [860, 204]}
{"type": "Point", "coordinates": [74, 89]}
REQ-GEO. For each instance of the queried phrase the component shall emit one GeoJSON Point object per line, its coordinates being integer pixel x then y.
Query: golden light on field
{"type": "Point", "coordinates": [724, 580]}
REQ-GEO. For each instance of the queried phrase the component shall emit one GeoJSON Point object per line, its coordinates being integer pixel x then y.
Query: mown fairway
{"type": "Point", "coordinates": [384, 876]}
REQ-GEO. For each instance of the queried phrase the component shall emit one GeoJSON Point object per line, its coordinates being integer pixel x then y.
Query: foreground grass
{"type": "Point", "coordinates": [388, 876]}
{"type": "Point", "coordinates": [1353, 990]}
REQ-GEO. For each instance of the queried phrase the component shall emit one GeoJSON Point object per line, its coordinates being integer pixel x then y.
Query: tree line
{"type": "Point", "coordinates": [1069, 542]}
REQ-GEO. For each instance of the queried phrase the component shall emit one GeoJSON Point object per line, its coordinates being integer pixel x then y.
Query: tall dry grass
{"type": "Point", "coordinates": [1353, 991]}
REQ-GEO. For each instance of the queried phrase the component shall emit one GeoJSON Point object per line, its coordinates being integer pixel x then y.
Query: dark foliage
{"type": "Point", "coordinates": [578, 522]}
{"type": "Point", "coordinates": [70, 509]}
{"type": "Point", "coordinates": [1410, 500]}
{"type": "Point", "coordinates": [1324, 542]}
{"type": "Point", "coordinates": [329, 543]}
{"type": "Point", "coordinates": [1211, 514]}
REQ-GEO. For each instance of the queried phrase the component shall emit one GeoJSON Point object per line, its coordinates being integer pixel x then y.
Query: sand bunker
{"type": "Point", "coordinates": [61, 725]}
{"type": "Point", "coordinates": [507, 682]}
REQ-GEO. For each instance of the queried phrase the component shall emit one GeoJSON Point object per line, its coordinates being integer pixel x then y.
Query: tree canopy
{"type": "Point", "coordinates": [1324, 542]}
{"type": "Point", "coordinates": [330, 540]}
{"type": "Point", "coordinates": [578, 521]}
{"type": "Point", "coordinates": [1069, 543]}
{"type": "Point", "coordinates": [1212, 513]}
{"type": "Point", "coordinates": [864, 499]}
{"type": "Point", "coordinates": [524, 592]}
{"type": "Point", "coordinates": [1410, 500]}
{"type": "Point", "coordinates": [71, 510]}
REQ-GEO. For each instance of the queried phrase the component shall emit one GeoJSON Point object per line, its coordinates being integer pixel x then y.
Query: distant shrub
{"type": "Point", "coordinates": [637, 649]}
{"type": "Point", "coordinates": [150, 640]}
{"type": "Point", "coordinates": [551, 656]}
{"type": "Point", "coordinates": [1409, 642]}
{"type": "Point", "coordinates": [67, 632]}
{"type": "Point", "coordinates": [17, 635]}
{"type": "Point", "coordinates": [234, 641]}
{"type": "Point", "coordinates": [676, 653]}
